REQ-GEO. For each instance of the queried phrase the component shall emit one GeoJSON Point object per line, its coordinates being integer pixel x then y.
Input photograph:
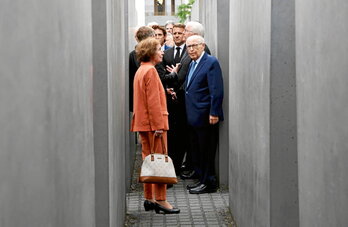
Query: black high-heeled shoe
{"type": "Point", "coordinates": [148, 205]}
{"type": "Point", "coordinates": [159, 208]}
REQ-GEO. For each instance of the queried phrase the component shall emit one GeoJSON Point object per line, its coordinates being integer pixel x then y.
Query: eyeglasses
{"type": "Point", "coordinates": [189, 31]}
{"type": "Point", "coordinates": [193, 46]}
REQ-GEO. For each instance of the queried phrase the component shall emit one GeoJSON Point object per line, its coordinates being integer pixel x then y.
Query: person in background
{"type": "Point", "coordinates": [160, 35]}
{"type": "Point", "coordinates": [203, 99]}
{"type": "Point", "coordinates": [169, 26]}
{"type": "Point", "coordinates": [169, 40]}
{"type": "Point", "coordinates": [142, 33]}
{"type": "Point", "coordinates": [177, 135]}
{"type": "Point", "coordinates": [150, 117]}
{"type": "Point", "coordinates": [195, 28]}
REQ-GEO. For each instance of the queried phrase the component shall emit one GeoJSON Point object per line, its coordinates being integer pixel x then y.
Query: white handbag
{"type": "Point", "coordinates": [158, 168]}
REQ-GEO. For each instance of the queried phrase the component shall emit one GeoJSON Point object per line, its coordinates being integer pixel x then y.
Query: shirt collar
{"type": "Point", "coordinates": [181, 46]}
{"type": "Point", "coordinates": [200, 58]}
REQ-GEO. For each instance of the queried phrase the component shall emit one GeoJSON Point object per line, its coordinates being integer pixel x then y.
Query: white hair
{"type": "Point", "coordinates": [199, 38]}
{"type": "Point", "coordinates": [197, 28]}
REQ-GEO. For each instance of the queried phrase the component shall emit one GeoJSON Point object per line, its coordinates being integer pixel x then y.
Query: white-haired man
{"type": "Point", "coordinates": [203, 100]}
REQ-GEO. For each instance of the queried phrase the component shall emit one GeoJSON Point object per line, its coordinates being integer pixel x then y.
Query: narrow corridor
{"type": "Point", "coordinates": [196, 210]}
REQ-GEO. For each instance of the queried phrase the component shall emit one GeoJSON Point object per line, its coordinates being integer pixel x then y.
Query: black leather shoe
{"type": "Point", "coordinates": [148, 205]}
{"type": "Point", "coordinates": [202, 188]}
{"type": "Point", "coordinates": [159, 208]}
{"type": "Point", "coordinates": [189, 175]}
{"type": "Point", "coordinates": [189, 186]}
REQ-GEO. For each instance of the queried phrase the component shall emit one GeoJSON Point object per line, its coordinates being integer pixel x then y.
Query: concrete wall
{"type": "Point", "coordinates": [196, 11]}
{"type": "Point", "coordinates": [222, 54]}
{"type": "Point", "coordinates": [288, 130]}
{"type": "Point", "coordinates": [63, 113]}
{"type": "Point", "coordinates": [211, 14]}
{"type": "Point", "coordinates": [263, 149]}
{"type": "Point", "coordinates": [249, 112]}
{"type": "Point", "coordinates": [110, 61]}
{"type": "Point", "coordinates": [136, 18]}
{"type": "Point", "coordinates": [214, 15]}
{"type": "Point", "coordinates": [118, 107]}
{"type": "Point", "coordinates": [209, 17]}
{"type": "Point", "coordinates": [284, 208]}
{"type": "Point", "coordinates": [46, 114]}
{"type": "Point", "coordinates": [322, 88]}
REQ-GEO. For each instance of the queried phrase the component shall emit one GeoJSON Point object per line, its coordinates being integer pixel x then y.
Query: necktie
{"type": "Point", "coordinates": [177, 55]}
{"type": "Point", "coordinates": [192, 69]}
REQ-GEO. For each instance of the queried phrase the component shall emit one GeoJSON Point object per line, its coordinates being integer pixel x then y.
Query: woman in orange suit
{"type": "Point", "coordinates": [150, 117]}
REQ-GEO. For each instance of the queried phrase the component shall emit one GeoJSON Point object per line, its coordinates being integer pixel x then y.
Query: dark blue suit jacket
{"type": "Point", "coordinates": [204, 93]}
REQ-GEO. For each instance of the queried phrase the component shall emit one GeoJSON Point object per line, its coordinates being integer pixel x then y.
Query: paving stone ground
{"type": "Point", "coordinates": [196, 210]}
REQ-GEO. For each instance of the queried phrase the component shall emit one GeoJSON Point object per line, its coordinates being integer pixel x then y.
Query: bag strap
{"type": "Point", "coordinates": [164, 150]}
{"type": "Point", "coordinates": [164, 146]}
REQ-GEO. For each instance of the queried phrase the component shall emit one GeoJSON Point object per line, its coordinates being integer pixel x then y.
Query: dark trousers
{"type": "Point", "coordinates": [177, 134]}
{"type": "Point", "coordinates": [203, 145]}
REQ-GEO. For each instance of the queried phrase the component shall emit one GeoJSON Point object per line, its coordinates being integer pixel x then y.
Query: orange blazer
{"type": "Point", "coordinates": [149, 107]}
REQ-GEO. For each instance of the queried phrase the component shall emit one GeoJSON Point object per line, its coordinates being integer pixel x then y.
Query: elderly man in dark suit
{"type": "Point", "coordinates": [203, 99]}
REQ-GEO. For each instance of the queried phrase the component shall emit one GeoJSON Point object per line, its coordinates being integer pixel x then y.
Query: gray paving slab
{"type": "Point", "coordinates": [196, 210]}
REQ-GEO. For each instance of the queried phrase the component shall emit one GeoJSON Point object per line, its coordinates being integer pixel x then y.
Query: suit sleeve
{"type": "Point", "coordinates": [133, 67]}
{"type": "Point", "coordinates": [216, 91]}
{"type": "Point", "coordinates": [153, 102]}
{"type": "Point", "coordinates": [161, 70]}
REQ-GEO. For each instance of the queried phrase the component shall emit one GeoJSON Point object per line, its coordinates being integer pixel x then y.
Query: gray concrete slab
{"type": "Point", "coordinates": [46, 118]}
{"type": "Point", "coordinates": [321, 64]}
{"type": "Point", "coordinates": [196, 210]}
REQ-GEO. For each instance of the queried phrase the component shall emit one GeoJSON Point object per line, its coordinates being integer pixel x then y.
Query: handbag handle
{"type": "Point", "coordinates": [164, 150]}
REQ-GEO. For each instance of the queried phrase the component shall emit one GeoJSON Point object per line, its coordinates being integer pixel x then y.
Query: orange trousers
{"type": "Point", "coordinates": [153, 191]}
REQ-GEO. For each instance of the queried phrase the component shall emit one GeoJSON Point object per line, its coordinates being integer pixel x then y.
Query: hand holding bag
{"type": "Point", "coordinates": [158, 168]}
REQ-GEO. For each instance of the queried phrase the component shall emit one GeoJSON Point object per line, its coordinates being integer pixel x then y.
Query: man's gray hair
{"type": "Point", "coordinates": [197, 27]}
{"type": "Point", "coordinates": [198, 38]}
